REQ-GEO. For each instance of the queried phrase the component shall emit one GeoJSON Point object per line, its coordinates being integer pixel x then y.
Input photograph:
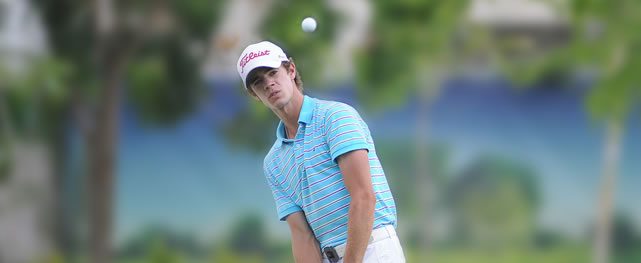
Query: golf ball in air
{"type": "Point", "coordinates": [309, 24]}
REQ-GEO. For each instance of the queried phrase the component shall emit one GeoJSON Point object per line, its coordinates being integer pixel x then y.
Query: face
{"type": "Point", "coordinates": [273, 86]}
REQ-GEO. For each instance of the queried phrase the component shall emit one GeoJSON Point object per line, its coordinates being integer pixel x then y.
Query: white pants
{"type": "Point", "coordinates": [387, 250]}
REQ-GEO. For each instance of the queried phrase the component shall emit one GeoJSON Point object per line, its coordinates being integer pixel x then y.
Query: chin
{"type": "Point", "coordinates": [279, 103]}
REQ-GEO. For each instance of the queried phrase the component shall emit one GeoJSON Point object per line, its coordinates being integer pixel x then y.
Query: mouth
{"type": "Point", "coordinates": [273, 94]}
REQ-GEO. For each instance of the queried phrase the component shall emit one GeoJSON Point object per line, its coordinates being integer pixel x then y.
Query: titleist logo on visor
{"type": "Point", "coordinates": [251, 55]}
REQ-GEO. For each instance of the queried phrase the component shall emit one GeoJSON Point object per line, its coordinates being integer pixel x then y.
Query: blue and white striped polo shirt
{"type": "Point", "coordinates": [304, 176]}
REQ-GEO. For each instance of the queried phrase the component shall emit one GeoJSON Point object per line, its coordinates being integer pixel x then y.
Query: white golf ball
{"type": "Point", "coordinates": [309, 24]}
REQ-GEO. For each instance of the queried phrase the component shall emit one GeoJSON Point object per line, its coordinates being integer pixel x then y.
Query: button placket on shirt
{"type": "Point", "coordinates": [298, 150]}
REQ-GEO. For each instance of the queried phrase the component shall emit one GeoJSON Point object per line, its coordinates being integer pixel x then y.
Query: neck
{"type": "Point", "coordinates": [290, 113]}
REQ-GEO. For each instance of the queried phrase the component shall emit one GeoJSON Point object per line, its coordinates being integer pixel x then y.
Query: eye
{"type": "Point", "coordinates": [257, 82]}
{"type": "Point", "coordinates": [272, 72]}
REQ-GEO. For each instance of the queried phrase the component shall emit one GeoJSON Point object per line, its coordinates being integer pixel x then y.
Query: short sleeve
{"type": "Point", "coordinates": [345, 131]}
{"type": "Point", "coordinates": [284, 204]}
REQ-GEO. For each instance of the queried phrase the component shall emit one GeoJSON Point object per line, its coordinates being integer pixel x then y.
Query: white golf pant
{"type": "Point", "coordinates": [384, 247]}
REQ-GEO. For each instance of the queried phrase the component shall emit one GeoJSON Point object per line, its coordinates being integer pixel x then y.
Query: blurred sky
{"type": "Point", "coordinates": [187, 177]}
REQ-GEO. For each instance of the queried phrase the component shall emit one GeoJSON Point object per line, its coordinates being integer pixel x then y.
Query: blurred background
{"type": "Point", "coordinates": [509, 130]}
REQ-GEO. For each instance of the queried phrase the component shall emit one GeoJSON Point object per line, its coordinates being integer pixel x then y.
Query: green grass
{"type": "Point", "coordinates": [565, 254]}
{"type": "Point", "coordinates": [558, 255]}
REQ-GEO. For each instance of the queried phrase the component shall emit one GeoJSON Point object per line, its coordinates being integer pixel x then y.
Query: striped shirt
{"type": "Point", "coordinates": [304, 176]}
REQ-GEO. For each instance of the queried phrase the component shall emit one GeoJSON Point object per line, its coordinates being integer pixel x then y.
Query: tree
{"type": "Point", "coordinates": [160, 252]}
{"type": "Point", "coordinates": [32, 106]}
{"type": "Point", "coordinates": [106, 42]}
{"type": "Point", "coordinates": [626, 237]}
{"type": "Point", "coordinates": [6, 133]}
{"type": "Point", "coordinates": [603, 41]}
{"type": "Point", "coordinates": [308, 49]}
{"type": "Point", "coordinates": [411, 48]}
{"type": "Point", "coordinates": [158, 235]}
{"type": "Point", "coordinates": [494, 201]}
{"type": "Point", "coordinates": [248, 235]}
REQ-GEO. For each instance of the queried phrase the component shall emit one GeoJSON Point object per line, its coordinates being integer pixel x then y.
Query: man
{"type": "Point", "coordinates": [323, 170]}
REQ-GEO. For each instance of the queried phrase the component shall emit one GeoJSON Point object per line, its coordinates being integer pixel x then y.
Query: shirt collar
{"type": "Point", "coordinates": [280, 134]}
{"type": "Point", "coordinates": [305, 116]}
{"type": "Point", "coordinates": [306, 110]}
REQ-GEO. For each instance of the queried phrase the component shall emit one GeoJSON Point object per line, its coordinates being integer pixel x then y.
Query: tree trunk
{"type": "Point", "coordinates": [611, 158]}
{"type": "Point", "coordinates": [422, 174]}
{"type": "Point", "coordinates": [6, 129]}
{"type": "Point", "coordinates": [424, 180]}
{"type": "Point", "coordinates": [103, 148]}
{"type": "Point", "coordinates": [58, 142]}
{"type": "Point", "coordinates": [6, 136]}
{"type": "Point", "coordinates": [104, 133]}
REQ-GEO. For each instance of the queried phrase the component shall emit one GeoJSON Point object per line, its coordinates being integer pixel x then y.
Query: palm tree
{"type": "Point", "coordinates": [616, 93]}
{"type": "Point", "coordinates": [602, 41]}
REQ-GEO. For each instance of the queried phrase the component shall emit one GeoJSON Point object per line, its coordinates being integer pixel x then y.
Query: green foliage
{"type": "Point", "coordinates": [164, 81]}
{"type": "Point", "coordinates": [401, 171]}
{"type": "Point", "coordinates": [69, 33]}
{"type": "Point", "coordinates": [6, 161]}
{"type": "Point", "coordinates": [309, 50]}
{"type": "Point", "coordinates": [230, 256]}
{"type": "Point", "coordinates": [196, 17]}
{"type": "Point", "coordinates": [603, 38]}
{"type": "Point", "coordinates": [5, 129]}
{"type": "Point", "coordinates": [161, 253]}
{"type": "Point", "coordinates": [494, 201]}
{"type": "Point", "coordinates": [626, 235]}
{"type": "Point", "coordinates": [609, 38]}
{"type": "Point", "coordinates": [563, 254]}
{"type": "Point", "coordinates": [409, 38]}
{"type": "Point", "coordinates": [248, 236]}
{"type": "Point", "coordinates": [614, 96]}
{"type": "Point", "coordinates": [35, 95]}
{"type": "Point", "coordinates": [523, 72]}
{"type": "Point", "coordinates": [548, 239]}
{"type": "Point", "coordinates": [254, 129]}
{"type": "Point", "coordinates": [52, 258]}
{"type": "Point", "coordinates": [46, 77]}
{"type": "Point", "coordinates": [163, 70]}
{"type": "Point", "coordinates": [5, 166]}
{"type": "Point", "coordinates": [159, 57]}
{"type": "Point", "coordinates": [246, 241]}
{"type": "Point", "coordinates": [151, 237]}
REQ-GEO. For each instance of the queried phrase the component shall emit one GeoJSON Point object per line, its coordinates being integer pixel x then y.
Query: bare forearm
{"type": "Point", "coordinates": [304, 244]}
{"type": "Point", "coordinates": [358, 181]}
{"type": "Point", "coordinates": [306, 249]}
{"type": "Point", "coordinates": [361, 219]}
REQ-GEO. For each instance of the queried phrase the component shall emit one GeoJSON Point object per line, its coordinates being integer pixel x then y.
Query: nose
{"type": "Point", "coordinates": [270, 83]}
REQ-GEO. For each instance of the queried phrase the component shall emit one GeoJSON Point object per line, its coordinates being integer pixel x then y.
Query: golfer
{"type": "Point", "coordinates": [323, 170]}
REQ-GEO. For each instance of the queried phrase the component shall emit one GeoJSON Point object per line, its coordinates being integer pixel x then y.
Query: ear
{"type": "Point", "coordinates": [292, 70]}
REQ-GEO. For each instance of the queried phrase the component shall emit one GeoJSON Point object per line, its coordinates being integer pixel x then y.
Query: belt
{"type": "Point", "coordinates": [333, 254]}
